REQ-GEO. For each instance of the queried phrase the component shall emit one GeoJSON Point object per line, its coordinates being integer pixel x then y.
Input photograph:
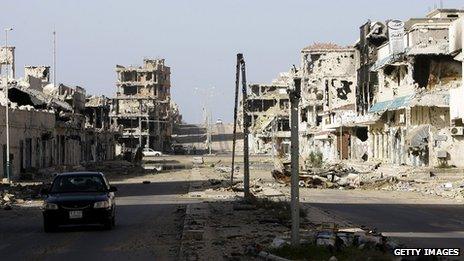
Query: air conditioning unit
{"type": "Point", "coordinates": [441, 154]}
{"type": "Point", "coordinates": [457, 131]}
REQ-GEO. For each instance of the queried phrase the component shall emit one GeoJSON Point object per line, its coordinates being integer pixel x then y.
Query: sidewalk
{"type": "Point", "coordinates": [223, 227]}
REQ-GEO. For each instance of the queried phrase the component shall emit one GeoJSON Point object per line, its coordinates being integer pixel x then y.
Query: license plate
{"type": "Point", "coordinates": [75, 214]}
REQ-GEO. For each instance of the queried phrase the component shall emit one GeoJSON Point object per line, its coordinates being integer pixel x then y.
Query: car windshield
{"type": "Point", "coordinates": [78, 183]}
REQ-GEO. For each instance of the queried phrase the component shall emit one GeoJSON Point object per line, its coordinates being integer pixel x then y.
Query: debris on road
{"type": "Point", "coordinates": [11, 194]}
{"type": "Point", "coordinates": [329, 241]}
{"type": "Point", "coordinates": [347, 175]}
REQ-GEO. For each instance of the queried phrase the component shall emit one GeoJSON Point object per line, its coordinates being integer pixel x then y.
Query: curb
{"type": "Point", "coordinates": [194, 223]}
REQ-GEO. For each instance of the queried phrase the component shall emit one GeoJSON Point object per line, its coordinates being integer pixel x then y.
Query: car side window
{"type": "Point", "coordinates": [107, 184]}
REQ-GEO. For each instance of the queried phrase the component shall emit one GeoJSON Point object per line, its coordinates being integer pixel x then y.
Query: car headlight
{"type": "Point", "coordinates": [50, 206]}
{"type": "Point", "coordinates": [102, 204]}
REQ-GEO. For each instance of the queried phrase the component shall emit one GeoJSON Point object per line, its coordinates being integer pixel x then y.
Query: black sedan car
{"type": "Point", "coordinates": [79, 198]}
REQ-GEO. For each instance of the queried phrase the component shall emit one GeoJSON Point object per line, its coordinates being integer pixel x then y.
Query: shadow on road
{"type": "Point", "coordinates": [418, 225]}
{"type": "Point", "coordinates": [153, 188]}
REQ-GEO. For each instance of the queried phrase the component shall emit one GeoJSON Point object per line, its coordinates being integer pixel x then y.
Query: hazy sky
{"type": "Point", "coordinates": [198, 38]}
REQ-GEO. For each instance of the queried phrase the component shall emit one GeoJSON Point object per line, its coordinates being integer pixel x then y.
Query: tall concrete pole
{"type": "Point", "coordinates": [295, 154]}
{"type": "Point", "coordinates": [7, 123]}
{"type": "Point", "coordinates": [246, 164]}
{"type": "Point", "coordinates": [237, 87]}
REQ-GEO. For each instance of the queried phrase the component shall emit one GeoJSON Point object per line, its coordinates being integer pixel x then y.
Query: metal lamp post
{"type": "Point", "coordinates": [207, 113]}
{"type": "Point", "coordinates": [7, 125]}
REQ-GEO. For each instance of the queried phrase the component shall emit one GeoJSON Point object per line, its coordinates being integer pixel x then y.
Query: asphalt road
{"type": "Point", "coordinates": [414, 220]}
{"type": "Point", "coordinates": [149, 223]}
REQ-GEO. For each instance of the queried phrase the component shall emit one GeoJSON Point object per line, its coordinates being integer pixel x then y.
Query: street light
{"type": "Point", "coordinates": [207, 112]}
{"type": "Point", "coordinates": [7, 124]}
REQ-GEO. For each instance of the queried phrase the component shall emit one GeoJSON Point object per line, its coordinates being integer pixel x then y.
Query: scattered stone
{"type": "Point", "coordinates": [198, 160]}
{"type": "Point", "coordinates": [278, 242]}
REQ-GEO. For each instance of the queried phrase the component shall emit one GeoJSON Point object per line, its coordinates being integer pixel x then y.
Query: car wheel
{"type": "Point", "coordinates": [48, 226]}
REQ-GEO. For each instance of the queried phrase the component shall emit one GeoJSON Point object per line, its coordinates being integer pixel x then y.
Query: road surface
{"type": "Point", "coordinates": [148, 227]}
{"type": "Point", "coordinates": [410, 218]}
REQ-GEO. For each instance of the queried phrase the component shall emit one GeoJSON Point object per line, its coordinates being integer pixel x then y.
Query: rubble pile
{"type": "Point", "coordinates": [453, 190]}
{"type": "Point", "coordinates": [17, 194]}
{"type": "Point", "coordinates": [226, 169]}
{"type": "Point", "coordinates": [375, 176]}
{"type": "Point", "coordinates": [336, 240]}
{"type": "Point", "coordinates": [224, 185]}
{"type": "Point", "coordinates": [333, 176]}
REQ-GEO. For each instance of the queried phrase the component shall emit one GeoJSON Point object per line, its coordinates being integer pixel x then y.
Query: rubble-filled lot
{"type": "Point", "coordinates": [446, 182]}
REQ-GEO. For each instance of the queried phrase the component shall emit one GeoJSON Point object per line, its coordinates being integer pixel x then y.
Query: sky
{"type": "Point", "coordinates": [199, 39]}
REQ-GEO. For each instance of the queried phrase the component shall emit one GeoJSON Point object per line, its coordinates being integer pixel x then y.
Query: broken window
{"type": "Point", "coordinates": [342, 87]}
{"type": "Point", "coordinates": [430, 70]}
{"type": "Point", "coordinates": [283, 125]}
{"type": "Point", "coordinates": [395, 76]}
{"type": "Point", "coordinates": [304, 115]}
{"type": "Point", "coordinates": [361, 133]}
{"type": "Point", "coordinates": [130, 90]}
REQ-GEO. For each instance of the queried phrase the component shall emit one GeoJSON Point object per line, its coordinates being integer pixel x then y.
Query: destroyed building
{"type": "Point", "coordinates": [394, 97]}
{"type": "Point", "coordinates": [37, 77]}
{"type": "Point", "coordinates": [100, 134]}
{"type": "Point", "coordinates": [412, 99]}
{"type": "Point", "coordinates": [143, 107]}
{"type": "Point", "coordinates": [371, 36]}
{"type": "Point", "coordinates": [268, 115]}
{"type": "Point", "coordinates": [328, 73]}
{"type": "Point", "coordinates": [47, 124]}
{"type": "Point", "coordinates": [7, 61]}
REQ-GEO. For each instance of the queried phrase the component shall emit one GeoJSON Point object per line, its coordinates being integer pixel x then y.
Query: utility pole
{"type": "Point", "coordinates": [246, 164]}
{"type": "Point", "coordinates": [207, 114]}
{"type": "Point", "coordinates": [237, 86]}
{"type": "Point", "coordinates": [295, 95]}
{"type": "Point", "coordinates": [7, 123]}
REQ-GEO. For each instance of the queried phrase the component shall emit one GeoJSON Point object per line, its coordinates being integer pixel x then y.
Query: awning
{"type": "Point", "coordinates": [418, 137]}
{"type": "Point", "coordinates": [390, 59]}
{"type": "Point", "coordinates": [398, 103]}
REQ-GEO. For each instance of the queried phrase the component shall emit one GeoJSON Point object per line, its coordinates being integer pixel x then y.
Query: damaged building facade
{"type": "Point", "coordinates": [328, 74]}
{"type": "Point", "coordinates": [411, 104]}
{"type": "Point", "coordinates": [394, 97]}
{"type": "Point", "coordinates": [268, 115]}
{"type": "Point", "coordinates": [52, 127]}
{"type": "Point", "coordinates": [143, 106]}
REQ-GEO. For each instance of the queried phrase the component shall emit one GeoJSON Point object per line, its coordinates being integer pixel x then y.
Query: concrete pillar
{"type": "Point", "coordinates": [371, 144]}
